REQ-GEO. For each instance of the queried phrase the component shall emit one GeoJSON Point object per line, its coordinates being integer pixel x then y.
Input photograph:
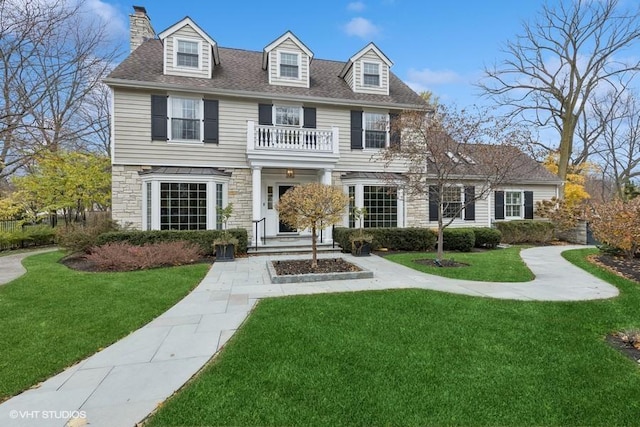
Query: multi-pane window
{"type": "Point", "coordinates": [375, 130]}
{"type": "Point", "coordinates": [352, 205]}
{"type": "Point", "coordinates": [289, 65]}
{"type": "Point", "coordinates": [187, 54]}
{"type": "Point", "coordinates": [149, 207]}
{"type": "Point", "coordinates": [371, 74]}
{"type": "Point", "coordinates": [452, 202]}
{"type": "Point", "coordinates": [513, 204]}
{"type": "Point", "coordinates": [382, 206]}
{"type": "Point", "coordinates": [183, 206]}
{"type": "Point", "coordinates": [287, 116]}
{"type": "Point", "coordinates": [185, 118]}
{"type": "Point", "coordinates": [218, 205]}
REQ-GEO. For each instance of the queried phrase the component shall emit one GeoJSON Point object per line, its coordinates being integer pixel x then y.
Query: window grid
{"type": "Point", "coordinates": [452, 202]}
{"type": "Point", "coordinates": [352, 205]}
{"type": "Point", "coordinates": [185, 120]}
{"type": "Point", "coordinates": [149, 207]}
{"type": "Point", "coordinates": [288, 116]}
{"type": "Point", "coordinates": [183, 206]}
{"type": "Point", "coordinates": [513, 204]}
{"type": "Point", "coordinates": [375, 130]}
{"type": "Point", "coordinates": [382, 206]}
{"type": "Point", "coordinates": [371, 74]}
{"type": "Point", "coordinates": [289, 65]}
{"type": "Point", "coordinates": [218, 206]}
{"type": "Point", "coordinates": [187, 55]}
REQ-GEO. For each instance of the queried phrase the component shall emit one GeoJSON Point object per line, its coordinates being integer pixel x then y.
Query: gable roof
{"type": "Point", "coordinates": [287, 35]}
{"type": "Point", "coordinates": [188, 21]}
{"type": "Point", "coordinates": [240, 74]}
{"type": "Point", "coordinates": [360, 53]}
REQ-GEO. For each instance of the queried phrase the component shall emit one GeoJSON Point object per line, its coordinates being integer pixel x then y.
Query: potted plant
{"type": "Point", "coordinates": [225, 245]}
{"type": "Point", "coordinates": [360, 241]}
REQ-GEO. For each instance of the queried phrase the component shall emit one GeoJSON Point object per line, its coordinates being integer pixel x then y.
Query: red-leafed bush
{"type": "Point", "coordinates": [121, 256]}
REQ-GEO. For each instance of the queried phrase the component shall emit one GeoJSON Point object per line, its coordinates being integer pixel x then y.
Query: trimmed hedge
{"type": "Point", "coordinates": [29, 235]}
{"type": "Point", "coordinates": [487, 237]}
{"type": "Point", "coordinates": [397, 239]}
{"type": "Point", "coordinates": [203, 238]}
{"type": "Point", "coordinates": [526, 231]}
{"type": "Point", "coordinates": [458, 239]}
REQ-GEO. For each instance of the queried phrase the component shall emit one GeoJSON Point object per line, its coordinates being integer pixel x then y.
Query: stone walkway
{"type": "Point", "coordinates": [122, 384]}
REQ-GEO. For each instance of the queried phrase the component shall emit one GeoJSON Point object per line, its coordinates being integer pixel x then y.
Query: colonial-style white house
{"type": "Point", "coordinates": [197, 126]}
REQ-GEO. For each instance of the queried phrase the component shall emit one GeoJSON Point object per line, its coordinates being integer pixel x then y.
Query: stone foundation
{"type": "Point", "coordinates": [126, 196]}
{"type": "Point", "coordinates": [417, 211]}
{"type": "Point", "coordinates": [240, 194]}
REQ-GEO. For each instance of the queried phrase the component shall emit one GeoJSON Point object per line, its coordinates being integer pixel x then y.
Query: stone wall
{"type": "Point", "coordinates": [240, 194]}
{"type": "Point", "coordinates": [126, 196]}
{"type": "Point", "coordinates": [577, 234]}
{"type": "Point", "coordinates": [417, 210]}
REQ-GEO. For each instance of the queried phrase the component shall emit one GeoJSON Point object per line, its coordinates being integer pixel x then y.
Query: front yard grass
{"type": "Point", "coordinates": [53, 316]}
{"type": "Point", "coordinates": [497, 265]}
{"type": "Point", "coordinates": [417, 357]}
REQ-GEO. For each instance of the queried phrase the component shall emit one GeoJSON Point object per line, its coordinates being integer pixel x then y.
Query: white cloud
{"type": "Point", "coordinates": [356, 6]}
{"type": "Point", "coordinates": [117, 24]}
{"type": "Point", "coordinates": [361, 27]}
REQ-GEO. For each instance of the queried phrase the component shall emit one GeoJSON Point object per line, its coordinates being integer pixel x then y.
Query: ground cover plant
{"type": "Point", "coordinates": [53, 316]}
{"type": "Point", "coordinates": [414, 357]}
{"type": "Point", "coordinates": [498, 265]}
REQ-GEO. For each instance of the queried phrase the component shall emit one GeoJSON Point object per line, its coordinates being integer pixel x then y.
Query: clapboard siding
{"type": "Point", "coordinates": [288, 46]}
{"type": "Point", "coordinates": [187, 32]}
{"type": "Point", "coordinates": [371, 56]}
{"type": "Point", "coordinates": [133, 143]}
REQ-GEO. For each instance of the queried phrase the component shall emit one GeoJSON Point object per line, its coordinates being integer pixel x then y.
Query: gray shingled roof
{"type": "Point", "coordinates": [241, 70]}
{"type": "Point", "coordinates": [175, 170]}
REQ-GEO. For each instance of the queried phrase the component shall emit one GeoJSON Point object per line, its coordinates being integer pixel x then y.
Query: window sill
{"type": "Point", "coordinates": [185, 141]}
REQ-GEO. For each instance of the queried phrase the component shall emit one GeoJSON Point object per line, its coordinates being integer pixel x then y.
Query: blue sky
{"type": "Point", "coordinates": [440, 46]}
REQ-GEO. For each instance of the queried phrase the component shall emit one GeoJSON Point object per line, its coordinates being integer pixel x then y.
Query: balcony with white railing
{"type": "Point", "coordinates": [281, 142]}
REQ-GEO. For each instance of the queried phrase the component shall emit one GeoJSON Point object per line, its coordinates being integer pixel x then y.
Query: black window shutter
{"type": "Point", "coordinates": [265, 116]}
{"type": "Point", "coordinates": [211, 121]}
{"type": "Point", "coordinates": [394, 132]}
{"type": "Point", "coordinates": [470, 204]}
{"type": "Point", "coordinates": [159, 117]}
{"type": "Point", "coordinates": [528, 205]}
{"type": "Point", "coordinates": [309, 117]}
{"type": "Point", "coordinates": [356, 130]}
{"type": "Point", "coordinates": [433, 203]}
{"type": "Point", "coordinates": [499, 204]}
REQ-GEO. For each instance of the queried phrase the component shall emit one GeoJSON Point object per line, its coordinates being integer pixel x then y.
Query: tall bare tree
{"type": "Point", "coordinates": [561, 61]}
{"type": "Point", "coordinates": [457, 157]}
{"type": "Point", "coordinates": [53, 55]}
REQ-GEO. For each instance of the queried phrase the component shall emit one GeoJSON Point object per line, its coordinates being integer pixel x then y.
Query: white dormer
{"type": "Point", "coordinates": [287, 61]}
{"type": "Point", "coordinates": [188, 50]}
{"type": "Point", "coordinates": [368, 71]}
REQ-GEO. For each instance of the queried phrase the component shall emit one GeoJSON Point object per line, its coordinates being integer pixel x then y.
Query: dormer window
{"type": "Point", "coordinates": [187, 54]}
{"type": "Point", "coordinates": [289, 65]}
{"type": "Point", "coordinates": [371, 74]}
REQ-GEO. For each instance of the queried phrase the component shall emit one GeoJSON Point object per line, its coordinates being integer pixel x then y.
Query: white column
{"type": "Point", "coordinates": [256, 193]}
{"type": "Point", "coordinates": [326, 177]}
{"type": "Point", "coordinates": [335, 131]}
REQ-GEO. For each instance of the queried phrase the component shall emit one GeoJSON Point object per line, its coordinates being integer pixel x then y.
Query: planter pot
{"type": "Point", "coordinates": [225, 253]}
{"type": "Point", "coordinates": [360, 248]}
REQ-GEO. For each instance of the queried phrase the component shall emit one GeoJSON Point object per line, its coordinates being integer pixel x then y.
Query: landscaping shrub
{"type": "Point", "coordinates": [486, 237]}
{"type": "Point", "coordinates": [398, 239]}
{"type": "Point", "coordinates": [526, 231]}
{"type": "Point", "coordinates": [617, 224]}
{"type": "Point", "coordinates": [81, 238]}
{"type": "Point", "coordinates": [35, 235]}
{"type": "Point", "coordinates": [203, 238]}
{"type": "Point", "coordinates": [123, 256]}
{"type": "Point", "coordinates": [458, 239]}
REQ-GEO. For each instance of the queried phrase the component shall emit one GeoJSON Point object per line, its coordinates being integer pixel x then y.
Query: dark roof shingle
{"type": "Point", "coordinates": [241, 70]}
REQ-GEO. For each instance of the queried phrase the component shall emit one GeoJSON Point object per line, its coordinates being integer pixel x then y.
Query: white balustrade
{"type": "Point", "coordinates": [290, 139]}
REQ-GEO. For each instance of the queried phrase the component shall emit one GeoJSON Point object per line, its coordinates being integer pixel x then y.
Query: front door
{"type": "Point", "coordinates": [282, 227]}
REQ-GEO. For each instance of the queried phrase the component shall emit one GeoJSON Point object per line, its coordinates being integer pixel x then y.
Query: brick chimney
{"type": "Point", "coordinates": [140, 28]}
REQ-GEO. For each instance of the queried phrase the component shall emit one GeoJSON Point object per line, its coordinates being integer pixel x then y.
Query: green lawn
{"type": "Point", "coordinates": [499, 265]}
{"type": "Point", "coordinates": [414, 357]}
{"type": "Point", "coordinates": [53, 317]}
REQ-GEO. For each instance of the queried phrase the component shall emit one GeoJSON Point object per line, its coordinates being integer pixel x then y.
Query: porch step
{"type": "Point", "coordinates": [290, 245]}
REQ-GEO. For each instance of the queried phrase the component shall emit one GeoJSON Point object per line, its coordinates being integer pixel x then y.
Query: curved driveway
{"type": "Point", "coordinates": [122, 384]}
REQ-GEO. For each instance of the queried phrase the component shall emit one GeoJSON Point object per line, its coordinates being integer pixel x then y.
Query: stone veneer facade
{"type": "Point", "coordinates": [126, 195]}
{"type": "Point", "coordinates": [240, 194]}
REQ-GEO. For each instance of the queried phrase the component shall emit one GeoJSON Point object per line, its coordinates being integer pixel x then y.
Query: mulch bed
{"type": "Point", "coordinates": [625, 348]}
{"type": "Point", "coordinates": [443, 263]}
{"type": "Point", "coordinates": [325, 265]}
{"type": "Point", "coordinates": [627, 268]}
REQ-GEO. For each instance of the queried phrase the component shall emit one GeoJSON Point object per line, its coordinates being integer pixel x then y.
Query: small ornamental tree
{"type": "Point", "coordinates": [617, 224]}
{"type": "Point", "coordinates": [312, 206]}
